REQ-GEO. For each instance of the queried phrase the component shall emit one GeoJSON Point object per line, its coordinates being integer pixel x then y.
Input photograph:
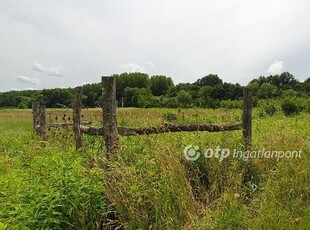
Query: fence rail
{"type": "Point", "coordinates": [166, 128]}
{"type": "Point", "coordinates": [110, 131]}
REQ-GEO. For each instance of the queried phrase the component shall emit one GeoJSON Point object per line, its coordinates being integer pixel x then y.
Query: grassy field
{"type": "Point", "coordinates": [150, 184]}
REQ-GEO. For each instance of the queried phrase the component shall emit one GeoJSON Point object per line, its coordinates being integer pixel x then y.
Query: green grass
{"type": "Point", "coordinates": [149, 184]}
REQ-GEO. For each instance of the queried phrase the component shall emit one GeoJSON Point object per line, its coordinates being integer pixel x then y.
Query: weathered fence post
{"type": "Point", "coordinates": [77, 117]}
{"type": "Point", "coordinates": [42, 122]}
{"type": "Point", "coordinates": [109, 115]}
{"type": "Point", "coordinates": [39, 120]}
{"type": "Point", "coordinates": [247, 118]}
{"type": "Point", "coordinates": [35, 113]}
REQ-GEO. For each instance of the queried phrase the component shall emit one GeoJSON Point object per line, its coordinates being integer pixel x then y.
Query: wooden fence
{"type": "Point", "coordinates": [110, 131]}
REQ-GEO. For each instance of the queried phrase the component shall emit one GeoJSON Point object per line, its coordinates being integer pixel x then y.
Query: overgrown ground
{"type": "Point", "coordinates": [149, 184]}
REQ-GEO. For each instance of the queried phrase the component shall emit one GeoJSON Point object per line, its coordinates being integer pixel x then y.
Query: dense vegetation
{"type": "Point", "coordinates": [149, 184]}
{"type": "Point", "coordinates": [140, 90]}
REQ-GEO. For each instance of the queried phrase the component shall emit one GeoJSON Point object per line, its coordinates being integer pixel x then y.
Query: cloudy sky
{"type": "Point", "coordinates": [61, 43]}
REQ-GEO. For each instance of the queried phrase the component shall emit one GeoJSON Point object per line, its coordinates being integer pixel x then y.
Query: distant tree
{"type": "Point", "coordinates": [131, 80]}
{"type": "Point", "coordinates": [184, 98]}
{"type": "Point", "coordinates": [210, 80]}
{"type": "Point", "coordinates": [91, 94]}
{"type": "Point", "coordinates": [9, 99]}
{"type": "Point", "coordinates": [160, 84]}
{"type": "Point", "coordinates": [289, 93]}
{"type": "Point", "coordinates": [267, 91]}
{"type": "Point", "coordinates": [260, 80]}
{"type": "Point", "coordinates": [230, 91]}
{"type": "Point", "coordinates": [205, 93]}
{"type": "Point", "coordinates": [58, 97]}
{"type": "Point", "coordinates": [306, 86]}
{"type": "Point", "coordinates": [285, 80]}
{"type": "Point", "coordinates": [254, 86]}
{"type": "Point", "coordinates": [193, 89]}
{"type": "Point", "coordinates": [145, 98]}
{"type": "Point", "coordinates": [130, 97]}
{"type": "Point", "coordinates": [22, 105]}
{"type": "Point", "coordinates": [137, 97]}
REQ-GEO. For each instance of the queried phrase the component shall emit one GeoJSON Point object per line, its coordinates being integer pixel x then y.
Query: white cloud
{"type": "Point", "coordinates": [24, 79]}
{"type": "Point", "coordinates": [150, 65]}
{"type": "Point", "coordinates": [131, 68]}
{"type": "Point", "coordinates": [276, 67]}
{"type": "Point", "coordinates": [38, 67]}
{"type": "Point", "coordinates": [49, 71]}
{"type": "Point", "coordinates": [54, 71]}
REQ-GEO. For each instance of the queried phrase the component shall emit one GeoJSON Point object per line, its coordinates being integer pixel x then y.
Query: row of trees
{"type": "Point", "coordinates": [140, 90]}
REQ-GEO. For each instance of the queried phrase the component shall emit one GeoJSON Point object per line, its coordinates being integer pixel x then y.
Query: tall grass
{"type": "Point", "coordinates": [149, 184]}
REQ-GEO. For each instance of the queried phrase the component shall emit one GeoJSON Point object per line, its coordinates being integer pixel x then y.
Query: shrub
{"type": "Point", "coordinates": [289, 107]}
{"type": "Point", "coordinates": [270, 109]}
{"type": "Point", "coordinates": [212, 103]}
{"type": "Point", "coordinates": [229, 104]}
{"type": "Point", "coordinates": [170, 117]}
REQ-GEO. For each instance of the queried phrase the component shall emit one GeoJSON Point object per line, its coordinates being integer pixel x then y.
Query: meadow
{"type": "Point", "coordinates": [149, 184]}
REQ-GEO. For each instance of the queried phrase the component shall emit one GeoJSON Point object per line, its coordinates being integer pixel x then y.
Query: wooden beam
{"type": "Point", "coordinates": [123, 131]}
{"type": "Point", "coordinates": [66, 124]}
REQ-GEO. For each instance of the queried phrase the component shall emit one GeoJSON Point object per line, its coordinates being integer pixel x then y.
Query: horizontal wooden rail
{"type": "Point", "coordinates": [65, 124]}
{"type": "Point", "coordinates": [123, 131]}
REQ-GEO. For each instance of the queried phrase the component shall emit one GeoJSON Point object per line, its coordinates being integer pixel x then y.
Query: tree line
{"type": "Point", "coordinates": [140, 90]}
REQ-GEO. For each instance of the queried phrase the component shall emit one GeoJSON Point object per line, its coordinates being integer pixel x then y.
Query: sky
{"type": "Point", "coordinates": [66, 43]}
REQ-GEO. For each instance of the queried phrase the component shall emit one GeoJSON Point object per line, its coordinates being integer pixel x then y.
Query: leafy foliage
{"type": "Point", "coordinates": [160, 91]}
{"type": "Point", "coordinates": [289, 107]}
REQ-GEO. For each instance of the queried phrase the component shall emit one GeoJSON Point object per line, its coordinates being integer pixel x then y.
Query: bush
{"type": "Point", "coordinates": [170, 117]}
{"type": "Point", "coordinates": [270, 109]}
{"type": "Point", "coordinates": [22, 105]}
{"type": "Point", "coordinates": [212, 103]}
{"type": "Point", "coordinates": [289, 107]}
{"type": "Point", "coordinates": [229, 104]}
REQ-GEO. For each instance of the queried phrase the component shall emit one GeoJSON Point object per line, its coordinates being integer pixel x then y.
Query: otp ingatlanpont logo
{"type": "Point", "coordinates": [191, 152]}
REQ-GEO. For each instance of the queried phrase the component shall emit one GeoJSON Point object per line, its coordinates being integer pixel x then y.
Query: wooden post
{"type": "Point", "coordinates": [42, 122]}
{"type": "Point", "coordinates": [109, 115]}
{"type": "Point", "coordinates": [247, 118]}
{"type": "Point", "coordinates": [35, 113]}
{"type": "Point", "coordinates": [77, 117]}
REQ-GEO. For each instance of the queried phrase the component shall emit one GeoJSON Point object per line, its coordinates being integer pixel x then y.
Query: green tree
{"type": "Point", "coordinates": [267, 91]}
{"type": "Point", "coordinates": [58, 97]}
{"type": "Point", "coordinates": [210, 80]}
{"type": "Point", "coordinates": [306, 85]}
{"type": "Point", "coordinates": [91, 94]}
{"type": "Point", "coordinates": [193, 89]}
{"type": "Point", "coordinates": [136, 97]}
{"type": "Point", "coordinates": [184, 98]}
{"type": "Point", "coordinates": [160, 84]}
{"type": "Point", "coordinates": [145, 98]}
{"type": "Point", "coordinates": [254, 86]}
{"type": "Point", "coordinates": [289, 93]}
{"type": "Point", "coordinates": [205, 93]}
{"type": "Point", "coordinates": [131, 80]}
